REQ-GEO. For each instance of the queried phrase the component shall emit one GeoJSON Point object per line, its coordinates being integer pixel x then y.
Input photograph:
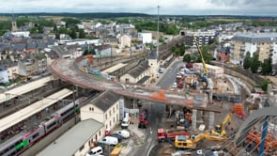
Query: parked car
{"type": "Point", "coordinates": [96, 151]}
{"type": "Point", "coordinates": [118, 136]}
{"type": "Point", "coordinates": [109, 140]}
{"type": "Point", "coordinates": [124, 133]}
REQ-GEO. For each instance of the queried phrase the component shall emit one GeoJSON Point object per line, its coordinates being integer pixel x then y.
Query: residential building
{"type": "Point", "coordinates": [104, 109]}
{"type": "Point", "coordinates": [198, 37]}
{"type": "Point", "coordinates": [262, 43]}
{"type": "Point", "coordinates": [125, 41]}
{"type": "Point", "coordinates": [77, 141]}
{"type": "Point", "coordinates": [145, 37]}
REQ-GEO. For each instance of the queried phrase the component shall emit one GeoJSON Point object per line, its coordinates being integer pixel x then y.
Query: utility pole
{"type": "Point", "coordinates": [158, 31]}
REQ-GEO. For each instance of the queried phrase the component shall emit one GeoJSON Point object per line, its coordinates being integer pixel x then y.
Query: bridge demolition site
{"type": "Point", "coordinates": [168, 107]}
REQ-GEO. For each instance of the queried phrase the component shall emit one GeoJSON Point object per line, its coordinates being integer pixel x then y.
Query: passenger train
{"type": "Point", "coordinates": [23, 141]}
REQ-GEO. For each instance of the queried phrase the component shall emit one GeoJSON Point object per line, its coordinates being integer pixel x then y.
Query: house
{"type": "Point", "coordinates": [104, 109]}
{"type": "Point", "coordinates": [125, 41]}
{"type": "Point", "coordinates": [145, 37]}
{"type": "Point", "coordinates": [137, 73]}
{"type": "Point", "coordinates": [77, 141]}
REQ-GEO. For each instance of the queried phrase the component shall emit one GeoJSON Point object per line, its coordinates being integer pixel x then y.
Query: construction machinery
{"type": "Point", "coordinates": [169, 135]}
{"type": "Point", "coordinates": [203, 75]}
{"type": "Point", "coordinates": [219, 130]}
{"type": "Point", "coordinates": [185, 142]}
{"type": "Point", "coordinates": [143, 119]}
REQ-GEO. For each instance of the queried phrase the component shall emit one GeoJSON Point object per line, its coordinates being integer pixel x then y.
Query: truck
{"type": "Point", "coordinates": [143, 119]}
{"type": "Point", "coordinates": [169, 135]}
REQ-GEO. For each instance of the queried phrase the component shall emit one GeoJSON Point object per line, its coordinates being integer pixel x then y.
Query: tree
{"type": "Point", "coordinates": [267, 66]}
{"type": "Point", "coordinates": [264, 85]}
{"type": "Point", "coordinates": [247, 61]}
{"type": "Point", "coordinates": [206, 55]}
{"type": "Point", "coordinates": [255, 63]}
{"type": "Point", "coordinates": [73, 34]}
{"type": "Point", "coordinates": [187, 58]}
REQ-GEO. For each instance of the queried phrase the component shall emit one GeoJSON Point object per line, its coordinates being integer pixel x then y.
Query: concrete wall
{"type": "Point", "coordinates": [49, 138]}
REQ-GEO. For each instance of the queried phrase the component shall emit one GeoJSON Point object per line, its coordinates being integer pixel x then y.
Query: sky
{"type": "Point", "coordinates": [173, 7]}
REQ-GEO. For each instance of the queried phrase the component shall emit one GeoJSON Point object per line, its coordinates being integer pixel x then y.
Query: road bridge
{"type": "Point", "coordinates": [68, 70]}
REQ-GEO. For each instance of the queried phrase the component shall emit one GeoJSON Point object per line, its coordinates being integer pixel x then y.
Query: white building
{"type": "Point", "coordinates": [104, 109]}
{"type": "Point", "coordinates": [125, 41]}
{"type": "Point", "coordinates": [154, 65]}
{"type": "Point", "coordinates": [21, 34]}
{"type": "Point", "coordinates": [77, 141]}
{"type": "Point", "coordinates": [83, 42]}
{"type": "Point", "coordinates": [145, 37]}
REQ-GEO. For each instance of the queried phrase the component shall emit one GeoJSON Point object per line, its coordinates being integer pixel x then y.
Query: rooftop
{"type": "Point", "coordinates": [105, 100]}
{"type": "Point", "coordinates": [256, 37]}
{"type": "Point", "coordinates": [70, 142]}
{"type": "Point", "coordinates": [138, 70]}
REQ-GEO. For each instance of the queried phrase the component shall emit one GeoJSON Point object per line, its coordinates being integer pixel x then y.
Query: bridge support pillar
{"type": "Point", "coordinates": [194, 119]}
{"type": "Point", "coordinates": [211, 120]}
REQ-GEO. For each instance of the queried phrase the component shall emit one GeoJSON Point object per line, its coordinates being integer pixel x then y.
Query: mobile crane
{"type": "Point", "coordinates": [204, 75]}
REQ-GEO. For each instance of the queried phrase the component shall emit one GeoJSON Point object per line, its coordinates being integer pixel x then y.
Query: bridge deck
{"type": "Point", "coordinates": [68, 70]}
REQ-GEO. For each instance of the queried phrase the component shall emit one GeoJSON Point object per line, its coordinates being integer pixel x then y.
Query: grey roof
{"type": "Point", "coordinates": [31, 45]}
{"type": "Point", "coordinates": [70, 142]}
{"type": "Point", "coordinates": [19, 46]}
{"type": "Point", "coordinates": [105, 100]}
{"type": "Point", "coordinates": [139, 69]}
{"type": "Point", "coordinates": [256, 37]}
{"type": "Point", "coordinates": [143, 80]}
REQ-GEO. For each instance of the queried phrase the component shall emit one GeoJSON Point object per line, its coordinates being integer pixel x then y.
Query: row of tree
{"type": "Point", "coordinates": [253, 64]}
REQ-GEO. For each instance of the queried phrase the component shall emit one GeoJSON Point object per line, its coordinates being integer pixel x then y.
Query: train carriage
{"type": "Point", "coordinates": [13, 146]}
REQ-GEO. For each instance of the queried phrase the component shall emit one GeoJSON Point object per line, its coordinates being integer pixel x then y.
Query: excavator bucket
{"type": "Point", "coordinates": [160, 95]}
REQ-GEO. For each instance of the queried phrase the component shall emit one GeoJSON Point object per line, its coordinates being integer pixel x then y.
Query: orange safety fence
{"type": "Point", "coordinates": [160, 95]}
{"type": "Point", "coordinates": [238, 109]}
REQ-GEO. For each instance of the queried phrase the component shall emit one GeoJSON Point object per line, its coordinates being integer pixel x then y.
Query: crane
{"type": "Point", "coordinates": [202, 59]}
{"type": "Point", "coordinates": [203, 76]}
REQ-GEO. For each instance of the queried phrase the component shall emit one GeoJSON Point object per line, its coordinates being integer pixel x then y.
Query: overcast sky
{"type": "Point", "coordinates": [178, 7]}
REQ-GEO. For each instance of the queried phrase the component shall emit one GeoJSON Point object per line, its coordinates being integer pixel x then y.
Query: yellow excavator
{"type": "Point", "coordinates": [220, 129]}
{"type": "Point", "coordinates": [217, 134]}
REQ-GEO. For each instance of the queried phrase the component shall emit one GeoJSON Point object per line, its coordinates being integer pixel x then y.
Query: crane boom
{"type": "Point", "coordinates": [202, 59]}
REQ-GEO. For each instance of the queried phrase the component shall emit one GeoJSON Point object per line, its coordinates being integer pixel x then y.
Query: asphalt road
{"type": "Point", "coordinates": [156, 111]}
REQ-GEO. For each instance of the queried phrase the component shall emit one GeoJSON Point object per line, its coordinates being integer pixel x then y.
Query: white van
{"type": "Point", "coordinates": [96, 151]}
{"type": "Point", "coordinates": [125, 121]}
{"type": "Point", "coordinates": [108, 140]}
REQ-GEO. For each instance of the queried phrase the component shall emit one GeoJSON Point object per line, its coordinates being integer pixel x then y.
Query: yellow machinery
{"type": "Point", "coordinates": [184, 142]}
{"type": "Point", "coordinates": [220, 129]}
{"type": "Point", "coordinates": [203, 61]}
{"type": "Point", "coordinates": [218, 134]}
